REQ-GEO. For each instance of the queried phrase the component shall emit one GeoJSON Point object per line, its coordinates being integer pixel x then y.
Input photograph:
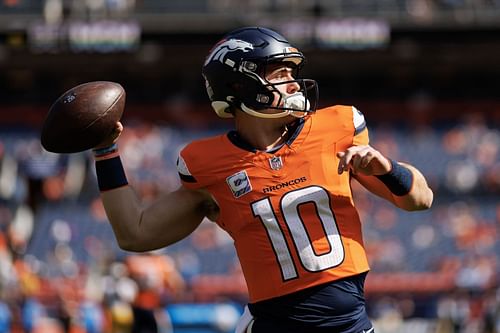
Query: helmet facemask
{"type": "Point", "coordinates": [267, 95]}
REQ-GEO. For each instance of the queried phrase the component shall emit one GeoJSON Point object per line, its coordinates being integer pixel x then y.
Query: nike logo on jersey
{"type": "Point", "coordinates": [284, 184]}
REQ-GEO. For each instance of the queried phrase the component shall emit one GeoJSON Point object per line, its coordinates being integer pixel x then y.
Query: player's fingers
{"type": "Point", "coordinates": [365, 161]}
{"type": "Point", "coordinates": [340, 166]}
{"type": "Point", "coordinates": [112, 137]}
{"type": "Point", "coordinates": [117, 131]}
{"type": "Point", "coordinates": [119, 126]}
{"type": "Point", "coordinates": [346, 160]}
{"type": "Point", "coordinates": [346, 157]}
{"type": "Point", "coordinates": [355, 162]}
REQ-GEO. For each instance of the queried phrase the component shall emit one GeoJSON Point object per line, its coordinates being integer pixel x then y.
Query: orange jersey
{"type": "Point", "coordinates": [290, 213]}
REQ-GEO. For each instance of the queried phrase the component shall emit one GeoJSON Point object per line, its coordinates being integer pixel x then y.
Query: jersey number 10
{"type": "Point", "coordinates": [289, 205]}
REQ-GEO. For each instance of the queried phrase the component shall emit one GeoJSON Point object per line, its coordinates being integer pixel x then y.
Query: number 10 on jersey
{"type": "Point", "coordinates": [289, 205]}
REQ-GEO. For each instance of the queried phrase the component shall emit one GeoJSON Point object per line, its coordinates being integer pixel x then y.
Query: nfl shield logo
{"type": "Point", "coordinates": [275, 162]}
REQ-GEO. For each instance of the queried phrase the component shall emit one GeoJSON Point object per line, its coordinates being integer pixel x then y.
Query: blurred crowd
{"type": "Point", "coordinates": [61, 270]}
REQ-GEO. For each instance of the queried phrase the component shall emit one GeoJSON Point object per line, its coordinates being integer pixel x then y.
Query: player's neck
{"type": "Point", "coordinates": [263, 134]}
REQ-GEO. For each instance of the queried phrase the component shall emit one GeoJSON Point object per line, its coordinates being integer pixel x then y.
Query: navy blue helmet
{"type": "Point", "coordinates": [234, 75]}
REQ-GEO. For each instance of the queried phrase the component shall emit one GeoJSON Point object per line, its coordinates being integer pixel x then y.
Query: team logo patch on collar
{"type": "Point", "coordinates": [239, 183]}
{"type": "Point", "coordinates": [275, 162]}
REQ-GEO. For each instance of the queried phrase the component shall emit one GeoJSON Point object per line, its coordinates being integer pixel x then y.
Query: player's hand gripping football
{"type": "Point", "coordinates": [112, 137]}
{"type": "Point", "coordinates": [363, 160]}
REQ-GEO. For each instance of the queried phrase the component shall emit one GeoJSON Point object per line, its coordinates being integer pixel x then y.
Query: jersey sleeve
{"type": "Point", "coordinates": [185, 175]}
{"type": "Point", "coordinates": [361, 136]}
{"type": "Point", "coordinates": [345, 123]}
{"type": "Point", "coordinates": [189, 171]}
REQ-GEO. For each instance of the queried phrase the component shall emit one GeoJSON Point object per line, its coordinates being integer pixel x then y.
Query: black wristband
{"type": "Point", "coordinates": [399, 180]}
{"type": "Point", "coordinates": [110, 174]}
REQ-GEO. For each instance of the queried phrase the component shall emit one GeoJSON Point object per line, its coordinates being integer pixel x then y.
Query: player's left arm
{"type": "Point", "coordinates": [400, 183]}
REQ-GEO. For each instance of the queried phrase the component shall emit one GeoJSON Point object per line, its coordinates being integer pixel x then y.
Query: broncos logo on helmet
{"type": "Point", "coordinates": [220, 50]}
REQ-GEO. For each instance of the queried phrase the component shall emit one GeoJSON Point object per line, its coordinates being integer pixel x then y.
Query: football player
{"type": "Point", "coordinates": [279, 184]}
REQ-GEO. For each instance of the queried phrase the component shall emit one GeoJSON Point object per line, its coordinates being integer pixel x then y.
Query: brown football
{"type": "Point", "coordinates": [83, 117]}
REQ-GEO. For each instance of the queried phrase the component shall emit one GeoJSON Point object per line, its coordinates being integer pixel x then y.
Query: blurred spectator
{"type": "Point", "coordinates": [5, 318]}
{"type": "Point", "coordinates": [388, 316]}
{"type": "Point", "coordinates": [37, 165]}
{"type": "Point", "coordinates": [476, 148]}
{"type": "Point", "coordinates": [157, 277]}
{"type": "Point", "coordinates": [92, 317]}
{"type": "Point", "coordinates": [8, 174]}
{"type": "Point", "coordinates": [21, 229]}
{"type": "Point", "coordinates": [74, 175]}
{"type": "Point", "coordinates": [453, 313]}
{"type": "Point", "coordinates": [491, 317]}
{"type": "Point", "coordinates": [477, 273]}
{"type": "Point", "coordinates": [158, 283]}
{"type": "Point", "coordinates": [32, 314]}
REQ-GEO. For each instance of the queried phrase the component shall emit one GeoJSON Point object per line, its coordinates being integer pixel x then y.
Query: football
{"type": "Point", "coordinates": [83, 117]}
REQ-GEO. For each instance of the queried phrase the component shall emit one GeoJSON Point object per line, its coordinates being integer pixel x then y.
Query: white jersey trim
{"type": "Point", "coordinates": [182, 167]}
{"type": "Point", "coordinates": [358, 120]}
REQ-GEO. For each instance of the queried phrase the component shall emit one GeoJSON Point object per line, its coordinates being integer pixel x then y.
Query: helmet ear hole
{"type": "Point", "coordinates": [238, 89]}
